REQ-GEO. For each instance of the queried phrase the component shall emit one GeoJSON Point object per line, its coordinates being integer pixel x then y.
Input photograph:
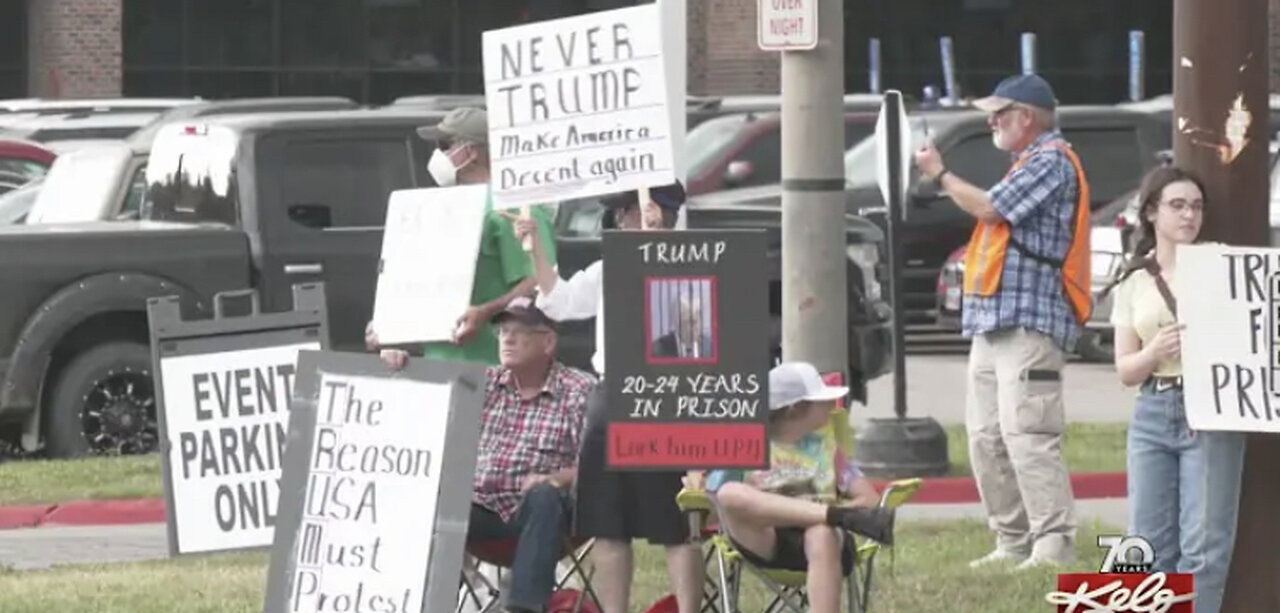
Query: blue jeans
{"type": "Point", "coordinates": [1184, 491]}
{"type": "Point", "coordinates": [539, 528]}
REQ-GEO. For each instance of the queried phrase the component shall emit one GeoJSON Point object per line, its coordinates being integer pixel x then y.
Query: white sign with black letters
{"type": "Point", "coordinates": [369, 508]}
{"type": "Point", "coordinates": [1229, 299]}
{"type": "Point", "coordinates": [415, 303]}
{"type": "Point", "coordinates": [226, 419]}
{"type": "Point", "coordinates": [578, 107]}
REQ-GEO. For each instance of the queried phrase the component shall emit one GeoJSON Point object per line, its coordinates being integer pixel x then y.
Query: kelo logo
{"type": "Point", "coordinates": [1124, 583]}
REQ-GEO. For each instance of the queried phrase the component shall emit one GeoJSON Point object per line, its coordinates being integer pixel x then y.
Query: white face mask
{"type": "Point", "coordinates": [442, 169]}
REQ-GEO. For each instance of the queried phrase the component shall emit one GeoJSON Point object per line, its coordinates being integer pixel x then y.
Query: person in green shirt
{"type": "Point", "coordinates": [503, 268]}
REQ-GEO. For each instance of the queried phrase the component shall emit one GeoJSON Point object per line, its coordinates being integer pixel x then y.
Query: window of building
{"type": "Point", "coordinates": [230, 32]}
{"type": "Point", "coordinates": [13, 52]}
{"type": "Point", "coordinates": [344, 181]}
{"type": "Point", "coordinates": [322, 34]}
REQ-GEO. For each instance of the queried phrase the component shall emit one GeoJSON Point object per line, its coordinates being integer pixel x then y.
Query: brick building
{"type": "Point", "coordinates": [376, 50]}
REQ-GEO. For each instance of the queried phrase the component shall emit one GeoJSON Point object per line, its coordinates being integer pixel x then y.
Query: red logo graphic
{"type": "Point", "coordinates": [1123, 584]}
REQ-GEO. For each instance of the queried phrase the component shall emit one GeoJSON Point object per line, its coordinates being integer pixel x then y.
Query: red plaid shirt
{"type": "Point", "coordinates": [527, 437]}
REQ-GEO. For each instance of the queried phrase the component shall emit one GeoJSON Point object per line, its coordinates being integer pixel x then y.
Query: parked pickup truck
{"type": "Point", "coordinates": [259, 201]}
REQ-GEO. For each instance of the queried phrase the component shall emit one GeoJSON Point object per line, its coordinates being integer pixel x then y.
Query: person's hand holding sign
{"type": "Point", "coordinates": [1167, 344]}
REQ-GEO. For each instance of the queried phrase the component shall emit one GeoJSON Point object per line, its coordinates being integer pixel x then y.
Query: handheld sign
{"type": "Point", "coordinates": [417, 303]}
{"type": "Point", "coordinates": [578, 107]}
{"type": "Point", "coordinates": [1229, 299]}
{"type": "Point", "coordinates": [222, 394]}
{"type": "Point", "coordinates": [687, 343]}
{"type": "Point", "coordinates": [370, 520]}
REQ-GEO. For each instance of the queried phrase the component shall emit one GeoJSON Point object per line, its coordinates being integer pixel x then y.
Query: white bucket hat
{"type": "Point", "coordinates": [792, 382]}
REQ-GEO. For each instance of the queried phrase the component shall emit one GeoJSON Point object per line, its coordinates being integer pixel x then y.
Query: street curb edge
{"type": "Point", "coordinates": [941, 490]}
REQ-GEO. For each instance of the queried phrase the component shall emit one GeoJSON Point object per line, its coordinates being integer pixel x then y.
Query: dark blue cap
{"type": "Point", "coordinates": [670, 197]}
{"type": "Point", "coordinates": [1028, 89]}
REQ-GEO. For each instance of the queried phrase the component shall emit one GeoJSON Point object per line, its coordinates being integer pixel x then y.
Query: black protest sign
{"type": "Point", "coordinates": [222, 392]}
{"type": "Point", "coordinates": [369, 518]}
{"type": "Point", "coordinates": [687, 348]}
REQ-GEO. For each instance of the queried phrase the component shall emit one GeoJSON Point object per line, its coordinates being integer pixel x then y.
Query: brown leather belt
{"type": "Point", "coordinates": [1161, 384]}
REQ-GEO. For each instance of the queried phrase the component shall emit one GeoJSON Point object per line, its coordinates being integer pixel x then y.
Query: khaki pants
{"type": "Point", "coordinates": [1014, 416]}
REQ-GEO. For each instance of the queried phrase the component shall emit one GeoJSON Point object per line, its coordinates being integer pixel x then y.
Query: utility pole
{"type": "Point", "coordinates": [815, 319]}
{"type": "Point", "coordinates": [1221, 61]}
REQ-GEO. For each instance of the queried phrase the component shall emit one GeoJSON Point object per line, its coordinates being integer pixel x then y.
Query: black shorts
{"type": "Point", "coordinates": [623, 505]}
{"type": "Point", "coordinates": [788, 552]}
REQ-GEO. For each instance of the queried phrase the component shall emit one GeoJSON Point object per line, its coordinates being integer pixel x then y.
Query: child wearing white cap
{"type": "Point", "coordinates": [786, 517]}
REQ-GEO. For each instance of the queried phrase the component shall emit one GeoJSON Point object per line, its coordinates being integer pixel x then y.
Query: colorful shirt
{"type": "Point", "coordinates": [814, 468]}
{"type": "Point", "coordinates": [501, 264]}
{"type": "Point", "coordinates": [1038, 201]}
{"type": "Point", "coordinates": [527, 437]}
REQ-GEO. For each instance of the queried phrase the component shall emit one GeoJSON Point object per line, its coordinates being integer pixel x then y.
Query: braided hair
{"type": "Point", "coordinates": [1153, 184]}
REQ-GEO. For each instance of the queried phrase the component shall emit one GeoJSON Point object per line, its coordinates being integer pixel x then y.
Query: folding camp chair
{"type": "Point", "coordinates": [788, 587]}
{"type": "Point", "coordinates": [486, 594]}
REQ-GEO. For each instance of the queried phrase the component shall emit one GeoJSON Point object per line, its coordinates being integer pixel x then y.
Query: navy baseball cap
{"type": "Point", "coordinates": [1028, 89]}
{"type": "Point", "coordinates": [670, 197]}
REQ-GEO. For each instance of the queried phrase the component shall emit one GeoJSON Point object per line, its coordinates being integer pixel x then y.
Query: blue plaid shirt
{"type": "Point", "coordinates": [1038, 200]}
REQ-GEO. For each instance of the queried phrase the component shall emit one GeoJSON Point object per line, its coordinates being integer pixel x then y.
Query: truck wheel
{"type": "Point", "coordinates": [103, 403]}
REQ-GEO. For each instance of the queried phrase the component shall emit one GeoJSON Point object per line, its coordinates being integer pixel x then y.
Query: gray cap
{"type": "Point", "coordinates": [465, 123]}
{"type": "Point", "coordinates": [792, 382]}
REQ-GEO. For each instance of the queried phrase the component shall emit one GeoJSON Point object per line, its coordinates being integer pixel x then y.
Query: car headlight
{"type": "Point", "coordinates": [866, 257]}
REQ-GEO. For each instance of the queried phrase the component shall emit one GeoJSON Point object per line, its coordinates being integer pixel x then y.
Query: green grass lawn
{"type": "Point", "coordinates": [1089, 448]}
{"type": "Point", "coordinates": [929, 574]}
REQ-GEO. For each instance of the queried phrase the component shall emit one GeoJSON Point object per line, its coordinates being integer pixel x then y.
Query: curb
{"type": "Point", "coordinates": [941, 490]}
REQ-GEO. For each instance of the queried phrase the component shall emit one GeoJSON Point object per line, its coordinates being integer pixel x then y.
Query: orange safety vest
{"type": "Point", "coordinates": [984, 256]}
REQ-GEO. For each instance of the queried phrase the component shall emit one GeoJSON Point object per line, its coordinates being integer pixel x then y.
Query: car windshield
{"type": "Point", "coordinates": [15, 205]}
{"type": "Point", "coordinates": [860, 161]}
{"type": "Point", "coordinates": [80, 185]}
{"type": "Point", "coordinates": [706, 140]}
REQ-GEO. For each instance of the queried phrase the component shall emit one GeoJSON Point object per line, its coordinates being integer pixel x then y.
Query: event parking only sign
{"type": "Point", "coordinates": [1229, 299]}
{"type": "Point", "coordinates": [369, 518]}
{"type": "Point", "coordinates": [223, 391]}
{"type": "Point", "coordinates": [687, 343]}
{"type": "Point", "coordinates": [578, 107]}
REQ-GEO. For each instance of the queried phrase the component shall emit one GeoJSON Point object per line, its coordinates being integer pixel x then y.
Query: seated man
{"type": "Point", "coordinates": [530, 432]}
{"type": "Point", "coordinates": [786, 517]}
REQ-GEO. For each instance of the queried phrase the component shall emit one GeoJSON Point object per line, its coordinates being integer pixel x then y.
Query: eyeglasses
{"type": "Point", "coordinates": [1178, 205]}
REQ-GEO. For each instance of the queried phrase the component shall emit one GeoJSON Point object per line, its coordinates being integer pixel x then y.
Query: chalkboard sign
{"type": "Point", "coordinates": [369, 518]}
{"type": "Point", "coordinates": [222, 393]}
{"type": "Point", "coordinates": [687, 344]}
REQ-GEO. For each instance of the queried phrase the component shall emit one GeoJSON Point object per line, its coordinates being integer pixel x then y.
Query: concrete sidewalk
{"type": "Point", "coordinates": [35, 548]}
{"type": "Point", "coordinates": [936, 388]}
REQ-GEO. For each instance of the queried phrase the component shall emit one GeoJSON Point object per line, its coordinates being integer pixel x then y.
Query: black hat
{"type": "Point", "coordinates": [670, 197]}
{"type": "Point", "coordinates": [524, 311]}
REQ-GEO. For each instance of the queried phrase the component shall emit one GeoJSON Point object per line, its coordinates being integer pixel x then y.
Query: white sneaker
{"type": "Point", "coordinates": [996, 557]}
{"type": "Point", "coordinates": [1050, 551]}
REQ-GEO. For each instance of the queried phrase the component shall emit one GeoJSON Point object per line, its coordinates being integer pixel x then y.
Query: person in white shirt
{"type": "Point", "coordinates": [617, 507]}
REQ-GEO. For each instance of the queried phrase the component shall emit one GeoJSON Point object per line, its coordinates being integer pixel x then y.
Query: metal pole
{"type": "Point", "coordinates": [1028, 52]}
{"type": "Point", "coordinates": [873, 59]}
{"type": "Point", "coordinates": [1137, 65]}
{"type": "Point", "coordinates": [1220, 59]}
{"type": "Point", "coordinates": [948, 70]}
{"type": "Point", "coordinates": [814, 264]}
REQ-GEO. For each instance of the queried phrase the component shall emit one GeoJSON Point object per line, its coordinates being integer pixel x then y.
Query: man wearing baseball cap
{"type": "Point", "coordinates": [617, 507]}
{"type": "Point", "coordinates": [503, 271]}
{"type": "Point", "coordinates": [1026, 295]}
{"type": "Point", "coordinates": [529, 438]}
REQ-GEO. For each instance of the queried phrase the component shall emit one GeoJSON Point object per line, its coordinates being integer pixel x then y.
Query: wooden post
{"type": "Point", "coordinates": [1221, 116]}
